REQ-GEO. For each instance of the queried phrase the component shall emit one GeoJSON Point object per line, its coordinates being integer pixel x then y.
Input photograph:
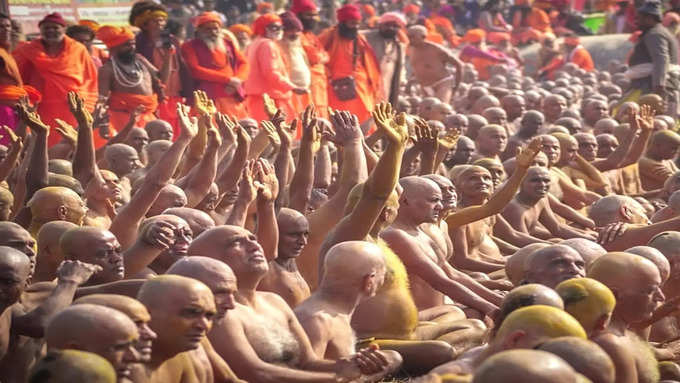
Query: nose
{"type": "Point", "coordinates": [230, 302]}
{"type": "Point", "coordinates": [146, 333]}
{"type": "Point", "coordinates": [204, 323]}
{"type": "Point", "coordinates": [659, 297]}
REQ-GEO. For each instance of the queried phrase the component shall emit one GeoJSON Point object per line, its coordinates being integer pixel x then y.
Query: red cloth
{"type": "Point", "coordinates": [268, 74]}
{"type": "Point", "coordinates": [348, 12]}
{"type": "Point", "coordinates": [206, 17]}
{"type": "Point", "coordinates": [121, 106]}
{"type": "Point", "coordinates": [317, 57]}
{"type": "Point", "coordinates": [71, 70]}
{"type": "Point", "coordinates": [300, 6]}
{"type": "Point", "coordinates": [114, 36]}
{"type": "Point", "coordinates": [262, 22]}
{"type": "Point", "coordinates": [54, 17]}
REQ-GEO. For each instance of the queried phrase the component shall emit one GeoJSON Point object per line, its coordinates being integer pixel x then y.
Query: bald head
{"type": "Point", "coordinates": [159, 130]}
{"type": "Point", "coordinates": [668, 243]}
{"type": "Point", "coordinates": [553, 264]}
{"type": "Point", "coordinates": [589, 301]}
{"type": "Point", "coordinates": [49, 251]}
{"type": "Point", "coordinates": [514, 264]}
{"type": "Point", "coordinates": [169, 197]}
{"type": "Point", "coordinates": [571, 124]}
{"type": "Point", "coordinates": [72, 366]}
{"type": "Point", "coordinates": [656, 257]}
{"type": "Point", "coordinates": [586, 357]}
{"type": "Point", "coordinates": [233, 245]}
{"type": "Point", "coordinates": [56, 203]}
{"type": "Point", "coordinates": [491, 140]}
{"type": "Point", "coordinates": [121, 159]}
{"type": "Point", "coordinates": [354, 265]}
{"type": "Point", "coordinates": [530, 326]}
{"type": "Point", "coordinates": [616, 208]}
{"type": "Point", "coordinates": [199, 221]}
{"type": "Point", "coordinates": [525, 366]}
{"type": "Point", "coordinates": [96, 246]}
{"type": "Point", "coordinates": [513, 106]}
{"type": "Point", "coordinates": [156, 149]}
{"type": "Point", "coordinates": [293, 233]}
{"type": "Point", "coordinates": [59, 166]}
{"type": "Point", "coordinates": [528, 295]}
{"type": "Point", "coordinates": [485, 102]}
{"type": "Point", "coordinates": [15, 268]}
{"type": "Point", "coordinates": [588, 249]}
{"type": "Point", "coordinates": [495, 115]}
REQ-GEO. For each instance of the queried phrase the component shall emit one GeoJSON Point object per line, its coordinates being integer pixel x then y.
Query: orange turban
{"type": "Point", "coordinates": [238, 28]}
{"type": "Point", "coordinates": [572, 40]}
{"type": "Point", "coordinates": [114, 36]}
{"type": "Point", "coordinates": [368, 10]}
{"type": "Point", "coordinates": [474, 36]}
{"type": "Point", "coordinates": [264, 6]}
{"type": "Point", "coordinates": [262, 22]}
{"type": "Point", "coordinates": [90, 24]}
{"type": "Point", "coordinates": [206, 17]}
{"type": "Point", "coordinates": [411, 8]}
{"type": "Point", "coordinates": [498, 37]}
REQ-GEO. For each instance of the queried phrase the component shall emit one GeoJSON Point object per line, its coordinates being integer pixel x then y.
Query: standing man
{"type": "Point", "coordinates": [354, 71]}
{"type": "Point", "coordinates": [162, 50]}
{"type": "Point", "coordinates": [55, 64]}
{"type": "Point", "coordinates": [217, 65]}
{"type": "Point", "coordinates": [390, 52]}
{"type": "Point", "coordinates": [577, 53]}
{"type": "Point", "coordinates": [127, 78]}
{"type": "Point", "coordinates": [658, 47]}
{"type": "Point", "coordinates": [317, 57]}
{"type": "Point", "coordinates": [268, 72]}
{"type": "Point", "coordinates": [295, 57]}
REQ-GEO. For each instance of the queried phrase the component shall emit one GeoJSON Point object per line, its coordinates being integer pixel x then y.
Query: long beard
{"type": "Point", "coordinates": [126, 57]}
{"type": "Point", "coordinates": [346, 32]}
{"type": "Point", "coordinates": [215, 45]}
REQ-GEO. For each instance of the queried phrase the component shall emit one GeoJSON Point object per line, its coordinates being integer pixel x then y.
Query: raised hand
{"type": "Point", "coordinates": [393, 128]}
{"type": "Point", "coordinates": [286, 132]}
{"type": "Point", "coordinates": [266, 181]}
{"type": "Point", "coordinates": [79, 111]}
{"type": "Point", "coordinates": [346, 128]}
{"type": "Point", "coordinates": [13, 138]}
{"type": "Point", "coordinates": [67, 131]}
{"type": "Point", "coordinates": [525, 158]}
{"type": "Point", "coordinates": [450, 140]}
{"type": "Point", "coordinates": [101, 118]}
{"type": "Point", "coordinates": [32, 120]}
{"type": "Point", "coordinates": [426, 137]}
{"type": "Point", "coordinates": [76, 272]}
{"type": "Point", "coordinates": [269, 105]}
{"type": "Point", "coordinates": [247, 189]}
{"type": "Point", "coordinates": [226, 126]}
{"type": "Point", "coordinates": [204, 105]}
{"type": "Point", "coordinates": [311, 134]}
{"type": "Point", "coordinates": [214, 138]}
{"type": "Point", "coordinates": [158, 234]}
{"type": "Point", "coordinates": [136, 112]}
{"type": "Point", "coordinates": [188, 125]}
{"type": "Point", "coordinates": [242, 137]}
{"type": "Point", "coordinates": [645, 119]}
{"type": "Point", "coordinates": [273, 137]}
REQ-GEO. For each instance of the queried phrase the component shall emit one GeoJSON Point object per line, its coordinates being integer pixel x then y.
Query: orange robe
{"type": "Point", "coordinates": [538, 23]}
{"type": "Point", "coordinates": [71, 70]}
{"type": "Point", "coordinates": [446, 29]}
{"type": "Point", "coordinates": [11, 90]}
{"type": "Point", "coordinates": [581, 57]}
{"type": "Point", "coordinates": [121, 106]}
{"type": "Point", "coordinates": [433, 35]}
{"type": "Point", "coordinates": [366, 73]}
{"type": "Point", "coordinates": [211, 71]}
{"type": "Point", "coordinates": [318, 58]}
{"type": "Point", "coordinates": [268, 75]}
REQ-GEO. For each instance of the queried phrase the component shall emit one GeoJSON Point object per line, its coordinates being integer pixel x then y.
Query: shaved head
{"type": "Point", "coordinates": [525, 366]}
{"type": "Point", "coordinates": [49, 251]}
{"type": "Point", "coordinates": [528, 295]}
{"type": "Point", "coordinates": [553, 264]}
{"type": "Point", "coordinates": [589, 301]}
{"type": "Point", "coordinates": [72, 366]}
{"type": "Point", "coordinates": [15, 269]}
{"type": "Point", "coordinates": [588, 249]}
{"type": "Point", "coordinates": [56, 203]}
{"type": "Point", "coordinates": [199, 221]}
{"type": "Point", "coordinates": [514, 264]}
{"type": "Point", "coordinates": [586, 357]}
{"type": "Point", "coordinates": [354, 264]}
{"type": "Point", "coordinates": [159, 130]}
{"type": "Point", "coordinates": [657, 257]}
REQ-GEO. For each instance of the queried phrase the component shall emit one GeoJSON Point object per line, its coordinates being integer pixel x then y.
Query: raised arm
{"type": "Point", "coordinates": [153, 238]}
{"type": "Point", "coordinates": [125, 225]}
{"type": "Point", "coordinates": [15, 148]}
{"type": "Point", "coordinates": [84, 161]}
{"type": "Point", "coordinates": [303, 179]}
{"type": "Point", "coordinates": [503, 196]}
{"type": "Point", "coordinates": [267, 191]}
{"type": "Point", "coordinates": [427, 142]}
{"type": "Point", "coordinates": [246, 194]}
{"type": "Point", "coordinates": [645, 121]}
{"type": "Point", "coordinates": [284, 158]}
{"type": "Point", "coordinates": [197, 183]}
{"type": "Point", "coordinates": [36, 177]}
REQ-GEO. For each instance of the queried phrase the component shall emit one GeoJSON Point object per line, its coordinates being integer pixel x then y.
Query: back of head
{"type": "Point", "coordinates": [540, 322]}
{"type": "Point", "coordinates": [524, 366]}
{"type": "Point", "coordinates": [80, 325]}
{"type": "Point", "coordinates": [617, 269]}
{"type": "Point", "coordinates": [59, 166]}
{"type": "Point", "coordinates": [528, 295]}
{"type": "Point", "coordinates": [586, 357]}
{"type": "Point", "coordinates": [656, 257]}
{"type": "Point", "coordinates": [588, 249]}
{"type": "Point", "coordinates": [587, 300]}
{"type": "Point", "coordinates": [72, 366]}
{"type": "Point", "coordinates": [608, 209]}
{"type": "Point", "coordinates": [514, 264]}
{"type": "Point", "coordinates": [667, 243]}
{"type": "Point", "coordinates": [201, 268]}
{"type": "Point", "coordinates": [156, 292]}
{"type": "Point", "coordinates": [348, 264]}
{"type": "Point", "coordinates": [198, 220]}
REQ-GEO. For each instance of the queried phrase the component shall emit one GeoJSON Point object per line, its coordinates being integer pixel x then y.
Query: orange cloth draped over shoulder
{"type": "Point", "coordinates": [581, 57]}
{"type": "Point", "coordinates": [537, 22]}
{"type": "Point", "coordinates": [446, 29]}
{"type": "Point", "coordinates": [366, 73]}
{"type": "Point", "coordinates": [433, 35]}
{"type": "Point", "coordinates": [212, 70]}
{"type": "Point", "coordinates": [71, 70]}
{"type": "Point", "coordinates": [121, 106]}
{"type": "Point", "coordinates": [11, 85]}
{"type": "Point", "coordinates": [318, 58]}
{"type": "Point", "coordinates": [268, 74]}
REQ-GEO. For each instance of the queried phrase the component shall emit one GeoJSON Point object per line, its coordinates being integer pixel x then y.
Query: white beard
{"type": "Point", "coordinates": [215, 45]}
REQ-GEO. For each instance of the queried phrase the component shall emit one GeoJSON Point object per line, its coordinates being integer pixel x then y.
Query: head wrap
{"type": "Point", "coordinates": [147, 15]}
{"type": "Point", "coordinates": [54, 17]}
{"type": "Point", "coordinates": [290, 21]}
{"type": "Point", "coordinates": [300, 6]}
{"type": "Point", "coordinates": [368, 10]}
{"type": "Point", "coordinates": [572, 40]}
{"type": "Point", "coordinates": [411, 8]}
{"type": "Point", "coordinates": [262, 22]}
{"type": "Point", "coordinates": [90, 24]}
{"type": "Point", "coordinates": [264, 6]}
{"type": "Point", "coordinates": [392, 17]}
{"type": "Point", "coordinates": [114, 36]}
{"type": "Point", "coordinates": [238, 28]}
{"type": "Point", "coordinates": [206, 17]}
{"type": "Point", "coordinates": [348, 12]}
{"type": "Point", "coordinates": [670, 18]}
{"type": "Point", "coordinates": [474, 36]}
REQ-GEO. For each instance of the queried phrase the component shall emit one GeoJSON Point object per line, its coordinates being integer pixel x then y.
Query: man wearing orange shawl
{"type": "Point", "coordinates": [442, 22]}
{"type": "Point", "coordinates": [530, 24]}
{"type": "Point", "coordinates": [577, 54]}
{"type": "Point", "coordinates": [317, 56]}
{"type": "Point", "coordinates": [477, 54]}
{"type": "Point", "coordinates": [268, 72]}
{"type": "Point", "coordinates": [369, 19]}
{"type": "Point", "coordinates": [11, 85]}
{"type": "Point", "coordinates": [295, 58]}
{"type": "Point", "coordinates": [217, 65]}
{"type": "Point", "coordinates": [127, 78]}
{"type": "Point", "coordinates": [55, 64]}
{"type": "Point", "coordinates": [354, 72]}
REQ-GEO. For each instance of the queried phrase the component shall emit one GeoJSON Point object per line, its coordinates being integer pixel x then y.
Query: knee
{"type": "Point", "coordinates": [394, 359]}
{"type": "Point", "coordinates": [477, 324]}
{"type": "Point", "coordinates": [441, 351]}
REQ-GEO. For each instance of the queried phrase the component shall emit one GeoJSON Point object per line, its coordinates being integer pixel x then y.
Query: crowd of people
{"type": "Point", "coordinates": [283, 193]}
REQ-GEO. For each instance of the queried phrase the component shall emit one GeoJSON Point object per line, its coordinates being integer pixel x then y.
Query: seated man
{"type": "Point", "coordinates": [543, 367]}
{"type": "Point", "coordinates": [283, 277]}
{"type": "Point", "coordinates": [261, 338]}
{"type": "Point", "coordinates": [657, 163]}
{"type": "Point", "coordinates": [553, 264]}
{"type": "Point", "coordinates": [531, 123]}
{"type": "Point", "coordinates": [101, 330]}
{"type": "Point", "coordinates": [589, 301]}
{"type": "Point", "coordinates": [73, 366]}
{"type": "Point", "coordinates": [668, 243]}
{"type": "Point", "coordinates": [354, 270]}
{"type": "Point", "coordinates": [514, 265]}
{"type": "Point", "coordinates": [182, 311]}
{"type": "Point", "coordinates": [635, 282]}
{"type": "Point", "coordinates": [49, 255]}
{"type": "Point", "coordinates": [530, 211]}
{"type": "Point", "coordinates": [491, 142]}
{"type": "Point", "coordinates": [586, 357]}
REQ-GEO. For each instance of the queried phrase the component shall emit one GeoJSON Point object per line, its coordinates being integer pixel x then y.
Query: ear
{"type": "Point", "coordinates": [368, 283]}
{"type": "Point", "coordinates": [511, 340]}
{"type": "Point", "coordinates": [62, 211]}
{"type": "Point", "coordinates": [602, 322]}
{"type": "Point", "coordinates": [626, 213]}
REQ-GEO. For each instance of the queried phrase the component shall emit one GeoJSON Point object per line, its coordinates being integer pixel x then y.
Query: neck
{"type": "Point", "coordinates": [478, 199]}
{"type": "Point", "coordinates": [53, 48]}
{"type": "Point", "coordinates": [526, 200]}
{"type": "Point", "coordinates": [152, 35]}
{"type": "Point", "coordinates": [617, 324]}
{"type": "Point", "coordinates": [96, 205]}
{"type": "Point", "coordinates": [404, 220]}
{"type": "Point", "coordinates": [247, 284]}
{"type": "Point", "coordinates": [345, 300]}
{"type": "Point", "coordinates": [160, 355]}
{"type": "Point", "coordinates": [287, 263]}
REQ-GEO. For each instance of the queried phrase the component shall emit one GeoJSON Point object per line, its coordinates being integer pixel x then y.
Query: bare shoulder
{"type": "Point", "coordinates": [275, 300]}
